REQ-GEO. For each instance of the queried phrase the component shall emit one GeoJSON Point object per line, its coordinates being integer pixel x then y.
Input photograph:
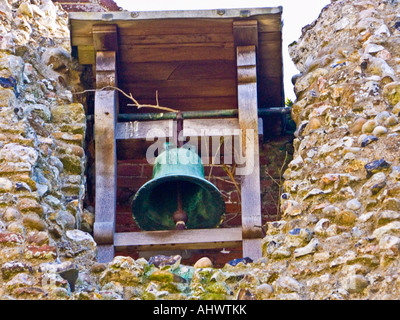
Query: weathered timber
{"type": "Point", "coordinates": [213, 61]}
{"type": "Point", "coordinates": [106, 175]}
{"type": "Point", "coordinates": [180, 239]}
{"type": "Point", "coordinates": [246, 58]}
{"type": "Point", "coordinates": [105, 119]}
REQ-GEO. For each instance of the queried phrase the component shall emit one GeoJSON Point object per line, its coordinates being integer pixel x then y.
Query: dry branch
{"type": "Point", "coordinates": [129, 96]}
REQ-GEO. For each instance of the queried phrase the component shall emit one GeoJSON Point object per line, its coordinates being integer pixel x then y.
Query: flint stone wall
{"type": "Point", "coordinates": [43, 226]}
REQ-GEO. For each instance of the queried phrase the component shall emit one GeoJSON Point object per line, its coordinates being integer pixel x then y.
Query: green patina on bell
{"type": "Point", "coordinates": [158, 200]}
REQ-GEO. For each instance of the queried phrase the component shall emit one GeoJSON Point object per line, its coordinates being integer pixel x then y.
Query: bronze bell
{"type": "Point", "coordinates": [178, 196]}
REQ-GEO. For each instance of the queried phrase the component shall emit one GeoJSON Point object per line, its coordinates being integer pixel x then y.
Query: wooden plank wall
{"type": "Point", "coordinates": [191, 63]}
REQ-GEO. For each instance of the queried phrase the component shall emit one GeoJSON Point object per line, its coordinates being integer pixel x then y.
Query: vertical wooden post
{"type": "Point", "coordinates": [105, 206]}
{"type": "Point", "coordinates": [105, 119]}
{"type": "Point", "coordinates": [246, 40]}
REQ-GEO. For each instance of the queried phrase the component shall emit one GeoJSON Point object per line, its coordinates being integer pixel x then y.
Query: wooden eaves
{"type": "Point", "coordinates": [189, 56]}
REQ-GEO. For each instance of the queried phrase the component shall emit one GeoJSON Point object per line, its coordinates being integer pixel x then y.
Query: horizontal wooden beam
{"type": "Point", "coordinates": [179, 70]}
{"type": "Point", "coordinates": [191, 128]}
{"type": "Point", "coordinates": [182, 88]}
{"type": "Point", "coordinates": [179, 239]}
{"type": "Point", "coordinates": [210, 127]}
{"type": "Point", "coordinates": [170, 14]}
{"type": "Point", "coordinates": [176, 52]}
{"type": "Point", "coordinates": [144, 129]}
{"type": "Point", "coordinates": [165, 128]}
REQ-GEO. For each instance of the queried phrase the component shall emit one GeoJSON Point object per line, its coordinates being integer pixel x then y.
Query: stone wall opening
{"type": "Point", "coordinates": [133, 171]}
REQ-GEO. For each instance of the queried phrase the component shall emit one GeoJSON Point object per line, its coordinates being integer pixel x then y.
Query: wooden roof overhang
{"type": "Point", "coordinates": [187, 57]}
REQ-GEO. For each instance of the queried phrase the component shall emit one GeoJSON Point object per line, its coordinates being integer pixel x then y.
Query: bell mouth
{"type": "Point", "coordinates": [156, 201]}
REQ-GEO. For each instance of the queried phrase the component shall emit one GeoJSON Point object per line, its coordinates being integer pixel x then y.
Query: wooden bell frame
{"type": "Point", "coordinates": [107, 130]}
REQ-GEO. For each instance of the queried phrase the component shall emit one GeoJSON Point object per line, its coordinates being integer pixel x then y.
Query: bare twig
{"type": "Point", "coordinates": [283, 165]}
{"type": "Point", "coordinates": [130, 97]}
{"type": "Point", "coordinates": [230, 173]}
{"type": "Point", "coordinates": [231, 176]}
{"type": "Point", "coordinates": [224, 180]}
{"type": "Point", "coordinates": [215, 156]}
{"type": "Point", "coordinates": [157, 97]}
{"type": "Point", "coordinates": [278, 183]}
{"type": "Point", "coordinates": [226, 222]}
